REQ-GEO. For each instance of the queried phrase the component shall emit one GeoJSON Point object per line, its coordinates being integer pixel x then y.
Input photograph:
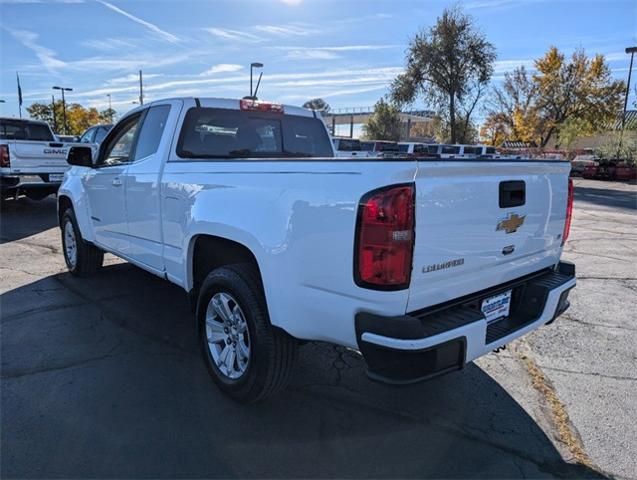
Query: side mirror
{"type": "Point", "coordinates": [80, 156]}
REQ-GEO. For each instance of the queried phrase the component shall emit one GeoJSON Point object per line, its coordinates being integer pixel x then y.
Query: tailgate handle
{"type": "Point", "coordinates": [512, 193]}
{"type": "Point", "coordinates": [56, 145]}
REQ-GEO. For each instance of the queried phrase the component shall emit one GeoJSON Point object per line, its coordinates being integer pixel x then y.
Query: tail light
{"type": "Point", "coordinates": [569, 212]}
{"type": "Point", "coordinates": [4, 156]}
{"type": "Point", "coordinates": [385, 238]}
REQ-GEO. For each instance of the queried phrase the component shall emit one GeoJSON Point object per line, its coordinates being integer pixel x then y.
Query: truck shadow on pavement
{"type": "Point", "coordinates": [605, 197]}
{"type": "Point", "coordinates": [102, 377]}
{"type": "Point", "coordinates": [26, 217]}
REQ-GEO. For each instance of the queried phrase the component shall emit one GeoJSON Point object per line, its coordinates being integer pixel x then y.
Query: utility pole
{"type": "Point", "coordinates": [110, 108]}
{"type": "Point", "coordinates": [632, 51]}
{"type": "Point", "coordinates": [63, 89]}
{"type": "Point", "coordinates": [141, 89]}
{"type": "Point", "coordinates": [55, 123]}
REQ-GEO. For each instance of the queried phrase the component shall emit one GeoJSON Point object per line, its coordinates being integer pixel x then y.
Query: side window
{"type": "Point", "coordinates": [88, 136]}
{"type": "Point", "coordinates": [101, 134]}
{"type": "Point", "coordinates": [120, 146]}
{"type": "Point", "coordinates": [151, 131]}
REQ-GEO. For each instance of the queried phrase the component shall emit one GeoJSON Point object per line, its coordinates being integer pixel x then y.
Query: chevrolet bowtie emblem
{"type": "Point", "coordinates": [511, 223]}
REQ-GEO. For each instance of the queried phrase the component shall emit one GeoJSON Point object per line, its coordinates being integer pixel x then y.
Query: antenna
{"type": "Point", "coordinates": [254, 96]}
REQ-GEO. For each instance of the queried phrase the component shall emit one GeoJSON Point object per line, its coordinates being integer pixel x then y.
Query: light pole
{"type": "Point", "coordinates": [63, 89]}
{"type": "Point", "coordinates": [110, 108]}
{"type": "Point", "coordinates": [253, 66]}
{"type": "Point", "coordinates": [632, 51]}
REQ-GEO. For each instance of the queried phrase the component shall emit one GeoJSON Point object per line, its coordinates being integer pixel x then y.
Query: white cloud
{"type": "Point", "coordinates": [327, 53]}
{"type": "Point", "coordinates": [228, 34]}
{"type": "Point", "coordinates": [503, 66]}
{"type": "Point", "coordinates": [111, 44]}
{"type": "Point", "coordinates": [292, 30]}
{"type": "Point", "coordinates": [48, 58]}
{"type": "Point", "coordinates": [150, 26]}
{"type": "Point", "coordinates": [222, 68]}
{"type": "Point", "coordinates": [39, 1]}
{"type": "Point", "coordinates": [310, 54]}
{"type": "Point", "coordinates": [131, 78]}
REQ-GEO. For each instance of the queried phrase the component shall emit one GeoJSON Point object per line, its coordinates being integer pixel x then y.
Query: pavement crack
{"type": "Point", "coordinates": [571, 318]}
{"type": "Point", "coordinates": [70, 365]}
{"type": "Point", "coordinates": [594, 374]}
{"type": "Point", "coordinates": [565, 430]}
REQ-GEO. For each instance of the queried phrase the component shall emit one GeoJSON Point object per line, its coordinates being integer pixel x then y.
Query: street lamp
{"type": "Point", "coordinates": [63, 89]}
{"type": "Point", "coordinates": [253, 66]}
{"type": "Point", "coordinates": [632, 51]}
{"type": "Point", "coordinates": [110, 108]}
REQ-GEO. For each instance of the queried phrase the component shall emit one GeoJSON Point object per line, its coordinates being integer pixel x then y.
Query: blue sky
{"type": "Point", "coordinates": [344, 51]}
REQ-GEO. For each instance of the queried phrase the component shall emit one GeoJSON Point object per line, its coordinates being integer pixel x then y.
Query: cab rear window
{"type": "Point", "coordinates": [25, 130]}
{"type": "Point", "coordinates": [225, 133]}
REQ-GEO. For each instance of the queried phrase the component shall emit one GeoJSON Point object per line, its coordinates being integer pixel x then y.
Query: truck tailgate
{"type": "Point", "coordinates": [483, 223]}
{"type": "Point", "coordinates": [38, 157]}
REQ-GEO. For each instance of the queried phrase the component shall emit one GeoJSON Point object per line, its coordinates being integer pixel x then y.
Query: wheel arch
{"type": "Point", "coordinates": [64, 203]}
{"type": "Point", "coordinates": [207, 252]}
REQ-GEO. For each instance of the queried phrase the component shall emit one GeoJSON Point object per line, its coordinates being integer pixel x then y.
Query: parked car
{"type": "Point", "coordinates": [421, 266]}
{"type": "Point", "coordinates": [67, 138]}
{"type": "Point", "coordinates": [32, 160]}
{"type": "Point", "coordinates": [380, 148]}
{"type": "Point", "coordinates": [446, 151]}
{"type": "Point", "coordinates": [580, 162]}
{"type": "Point", "coordinates": [484, 151]}
{"type": "Point", "coordinates": [348, 147]}
{"type": "Point", "coordinates": [95, 134]}
{"type": "Point", "coordinates": [414, 148]}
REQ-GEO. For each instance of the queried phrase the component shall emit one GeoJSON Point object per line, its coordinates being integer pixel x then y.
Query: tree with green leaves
{"type": "Point", "coordinates": [384, 123]}
{"type": "Point", "coordinates": [449, 65]}
{"type": "Point", "coordinates": [317, 104]}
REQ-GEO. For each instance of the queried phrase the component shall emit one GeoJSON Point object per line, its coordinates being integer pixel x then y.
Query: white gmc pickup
{"type": "Point", "coordinates": [32, 160]}
{"type": "Point", "coordinates": [422, 265]}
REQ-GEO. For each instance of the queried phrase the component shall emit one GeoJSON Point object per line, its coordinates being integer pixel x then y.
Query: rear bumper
{"type": "Point", "coordinates": [444, 338]}
{"type": "Point", "coordinates": [11, 183]}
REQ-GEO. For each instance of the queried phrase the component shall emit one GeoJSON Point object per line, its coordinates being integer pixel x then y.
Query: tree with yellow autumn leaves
{"type": "Point", "coordinates": [563, 99]}
{"type": "Point", "coordinates": [78, 118]}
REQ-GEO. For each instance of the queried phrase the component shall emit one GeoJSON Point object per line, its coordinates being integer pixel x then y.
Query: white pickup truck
{"type": "Point", "coordinates": [420, 265]}
{"type": "Point", "coordinates": [32, 160]}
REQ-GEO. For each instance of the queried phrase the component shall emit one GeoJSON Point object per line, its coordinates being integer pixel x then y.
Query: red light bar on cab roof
{"type": "Point", "coordinates": [249, 105]}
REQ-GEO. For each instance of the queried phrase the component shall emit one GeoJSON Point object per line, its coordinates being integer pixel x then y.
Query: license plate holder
{"type": "Point", "coordinates": [496, 307]}
{"type": "Point", "coordinates": [56, 177]}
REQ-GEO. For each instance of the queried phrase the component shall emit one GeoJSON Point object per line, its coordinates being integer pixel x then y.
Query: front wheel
{"type": "Point", "coordinates": [247, 357]}
{"type": "Point", "coordinates": [82, 258]}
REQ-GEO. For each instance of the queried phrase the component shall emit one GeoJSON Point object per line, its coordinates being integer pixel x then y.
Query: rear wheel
{"type": "Point", "coordinates": [248, 358]}
{"type": "Point", "coordinates": [82, 258]}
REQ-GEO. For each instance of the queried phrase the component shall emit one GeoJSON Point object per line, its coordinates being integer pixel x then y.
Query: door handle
{"type": "Point", "coordinates": [117, 182]}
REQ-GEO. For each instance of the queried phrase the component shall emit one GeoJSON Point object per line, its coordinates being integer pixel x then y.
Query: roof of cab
{"type": "Point", "coordinates": [233, 104]}
{"type": "Point", "coordinates": [22, 120]}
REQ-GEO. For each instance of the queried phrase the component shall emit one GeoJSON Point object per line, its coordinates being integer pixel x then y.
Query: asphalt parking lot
{"type": "Point", "coordinates": [102, 378]}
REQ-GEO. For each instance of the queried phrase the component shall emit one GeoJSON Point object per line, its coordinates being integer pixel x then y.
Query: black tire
{"type": "Point", "coordinates": [273, 352]}
{"type": "Point", "coordinates": [89, 258]}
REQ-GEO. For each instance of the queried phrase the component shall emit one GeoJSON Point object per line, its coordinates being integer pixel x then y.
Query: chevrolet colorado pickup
{"type": "Point", "coordinates": [421, 265]}
{"type": "Point", "coordinates": [32, 159]}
